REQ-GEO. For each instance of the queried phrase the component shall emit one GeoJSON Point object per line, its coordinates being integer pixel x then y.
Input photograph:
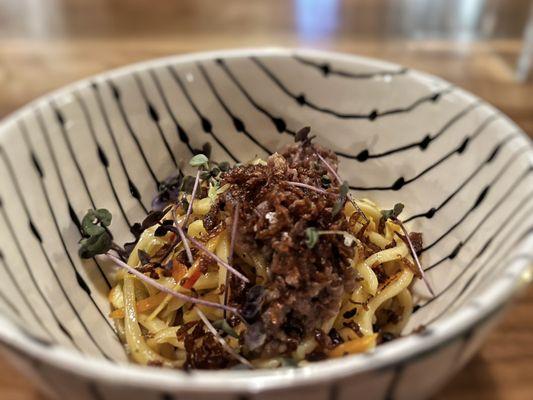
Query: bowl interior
{"type": "Point", "coordinates": [461, 168]}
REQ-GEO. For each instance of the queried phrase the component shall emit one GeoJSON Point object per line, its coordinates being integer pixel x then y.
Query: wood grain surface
{"type": "Point", "coordinates": [47, 44]}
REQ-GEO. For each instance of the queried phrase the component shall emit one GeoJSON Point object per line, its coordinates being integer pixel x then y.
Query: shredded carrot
{"type": "Point", "coordinates": [178, 270]}
{"type": "Point", "coordinates": [142, 305]}
{"type": "Point", "coordinates": [358, 345]}
{"type": "Point", "coordinates": [197, 273]}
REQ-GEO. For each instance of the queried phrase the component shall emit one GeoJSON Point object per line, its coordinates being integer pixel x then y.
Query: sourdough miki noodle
{"type": "Point", "coordinates": [259, 265]}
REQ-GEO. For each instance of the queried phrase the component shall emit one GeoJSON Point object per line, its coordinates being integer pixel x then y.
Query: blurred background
{"type": "Point", "coordinates": [485, 46]}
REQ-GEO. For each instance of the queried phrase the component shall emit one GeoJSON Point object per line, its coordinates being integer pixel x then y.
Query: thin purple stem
{"type": "Point", "coordinates": [339, 180]}
{"type": "Point", "coordinates": [330, 168]}
{"type": "Point", "coordinates": [220, 261]}
{"type": "Point", "coordinates": [162, 288]}
{"type": "Point", "coordinates": [415, 256]}
{"type": "Point", "coordinates": [183, 238]}
{"type": "Point", "coordinates": [306, 186]}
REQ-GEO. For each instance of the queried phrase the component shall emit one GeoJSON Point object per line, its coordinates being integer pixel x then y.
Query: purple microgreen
{"type": "Point", "coordinates": [415, 256]}
{"type": "Point", "coordinates": [306, 186]}
{"type": "Point", "coordinates": [214, 171]}
{"type": "Point", "coordinates": [253, 303]}
{"type": "Point", "coordinates": [221, 340]}
{"type": "Point", "coordinates": [356, 206]}
{"type": "Point", "coordinates": [168, 191]}
{"type": "Point", "coordinates": [183, 238]}
{"type": "Point", "coordinates": [302, 135]}
{"type": "Point", "coordinates": [205, 175]}
{"type": "Point", "coordinates": [144, 257]}
{"type": "Point", "coordinates": [393, 213]}
{"type": "Point", "coordinates": [151, 219]}
{"type": "Point", "coordinates": [162, 288]}
{"type": "Point", "coordinates": [206, 251]}
{"type": "Point", "coordinates": [339, 180]}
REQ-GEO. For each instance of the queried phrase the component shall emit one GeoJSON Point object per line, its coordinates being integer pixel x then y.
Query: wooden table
{"type": "Point", "coordinates": [44, 48]}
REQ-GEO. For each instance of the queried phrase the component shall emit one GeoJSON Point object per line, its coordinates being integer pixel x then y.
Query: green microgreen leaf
{"type": "Point", "coordinates": [90, 228]}
{"type": "Point", "coordinates": [222, 325]}
{"type": "Point", "coordinates": [95, 221]}
{"type": "Point", "coordinates": [394, 213]}
{"type": "Point", "coordinates": [97, 239]}
{"type": "Point", "coordinates": [199, 160]}
{"type": "Point", "coordinates": [311, 235]}
{"type": "Point", "coordinates": [343, 194]}
{"type": "Point", "coordinates": [212, 192]}
{"type": "Point", "coordinates": [94, 245]}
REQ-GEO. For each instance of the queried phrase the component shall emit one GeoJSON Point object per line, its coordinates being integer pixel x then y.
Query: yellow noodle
{"type": "Point", "coordinates": [159, 344]}
{"type": "Point", "coordinates": [138, 348]}
{"type": "Point", "coordinates": [196, 229]}
{"type": "Point", "coordinates": [365, 317]}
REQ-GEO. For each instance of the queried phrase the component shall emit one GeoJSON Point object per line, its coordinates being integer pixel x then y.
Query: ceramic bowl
{"type": "Point", "coordinates": [461, 167]}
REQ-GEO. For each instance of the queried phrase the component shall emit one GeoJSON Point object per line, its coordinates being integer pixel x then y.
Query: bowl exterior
{"type": "Point", "coordinates": [418, 377]}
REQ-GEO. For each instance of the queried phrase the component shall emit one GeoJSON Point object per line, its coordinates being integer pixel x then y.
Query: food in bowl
{"type": "Point", "coordinates": [259, 265]}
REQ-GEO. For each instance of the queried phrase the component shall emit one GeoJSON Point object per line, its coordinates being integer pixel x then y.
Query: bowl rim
{"type": "Point", "coordinates": [489, 302]}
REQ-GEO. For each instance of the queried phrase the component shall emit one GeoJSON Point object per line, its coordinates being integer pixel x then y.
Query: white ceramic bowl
{"type": "Point", "coordinates": [460, 166]}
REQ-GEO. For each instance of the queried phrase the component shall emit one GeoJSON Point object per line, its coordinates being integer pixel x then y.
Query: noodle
{"type": "Point", "coordinates": [369, 295]}
{"type": "Point", "coordinates": [191, 249]}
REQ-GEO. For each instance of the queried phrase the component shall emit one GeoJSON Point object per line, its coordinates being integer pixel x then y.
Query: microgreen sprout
{"type": "Point", "coordinates": [96, 236]}
{"type": "Point", "coordinates": [199, 160]}
{"type": "Point", "coordinates": [312, 235]}
{"type": "Point", "coordinates": [339, 180]}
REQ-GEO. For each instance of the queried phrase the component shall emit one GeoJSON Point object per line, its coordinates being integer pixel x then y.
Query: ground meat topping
{"type": "Point", "coordinates": [304, 286]}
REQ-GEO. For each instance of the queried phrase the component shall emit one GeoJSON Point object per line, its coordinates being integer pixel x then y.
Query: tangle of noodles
{"type": "Point", "coordinates": [145, 317]}
{"type": "Point", "coordinates": [195, 309]}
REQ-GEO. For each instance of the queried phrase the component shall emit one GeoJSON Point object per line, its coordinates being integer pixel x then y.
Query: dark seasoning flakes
{"type": "Point", "coordinates": [305, 285]}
